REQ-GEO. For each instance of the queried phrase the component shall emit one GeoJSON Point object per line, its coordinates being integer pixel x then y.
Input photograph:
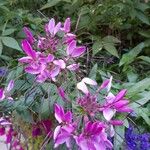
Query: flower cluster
{"type": "Point", "coordinates": [90, 120]}
{"type": "Point", "coordinates": [136, 141]}
{"type": "Point", "coordinates": [51, 54]}
{"type": "Point", "coordinates": [10, 136]}
{"type": "Point", "coordinates": [94, 132]}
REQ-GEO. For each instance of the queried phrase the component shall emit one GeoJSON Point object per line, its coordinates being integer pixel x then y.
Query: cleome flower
{"type": "Point", "coordinates": [50, 54]}
{"type": "Point", "coordinates": [93, 137]}
{"type": "Point", "coordinates": [63, 132]}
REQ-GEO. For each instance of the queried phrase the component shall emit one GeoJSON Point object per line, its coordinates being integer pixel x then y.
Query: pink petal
{"type": "Point", "coordinates": [50, 58]}
{"type": "Point", "coordinates": [78, 51]}
{"type": "Point", "coordinates": [61, 138]}
{"type": "Point", "coordinates": [68, 117]}
{"type": "Point", "coordinates": [116, 122]}
{"type": "Point", "coordinates": [56, 132]}
{"type": "Point", "coordinates": [29, 35]}
{"type": "Point", "coordinates": [67, 25]}
{"type": "Point", "coordinates": [82, 86]}
{"type": "Point", "coordinates": [41, 78]}
{"type": "Point", "coordinates": [112, 131]}
{"type": "Point", "coordinates": [51, 26]}
{"type": "Point", "coordinates": [61, 93]}
{"type": "Point", "coordinates": [60, 63]}
{"type": "Point", "coordinates": [28, 49]}
{"type": "Point", "coordinates": [54, 72]}
{"type": "Point", "coordinates": [59, 113]}
{"type": "Point", "coordinates": [2, 95]}
{"type": "Point", "coordinates": [10, 85]}
{"type": "Point", "coordinates": [125, 109]}
{"type": "Point", "coordinates": [120, 95]}
{"type": "Point", "coordinates": [71, 47]}
{"type": "Point", "coordinates": [73, 67]}
{"type": "Point", "coordinates": [121, 103]}
{"type": "Point", "coordinates": [89, 81]}
{"type": "Point", "coordinates": [32, 70]}
{"type": "Point", "coordinates": [104, 84]}
{"type": "Point", "coordinates": [108, 113]}
{"type": "Point", "coordinates": [26, 59]}
{"type": "Point", "coordinates": [57, 28]}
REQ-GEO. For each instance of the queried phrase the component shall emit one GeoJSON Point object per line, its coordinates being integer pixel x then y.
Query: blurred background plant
{"type": "Point", "coordinates": [116, 32]}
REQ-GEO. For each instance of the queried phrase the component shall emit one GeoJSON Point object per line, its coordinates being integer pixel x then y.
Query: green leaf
{"type": "Point", "coordinates": [145, 99]}
{"type": "Point", "coordinates": [8, 32]}
{"type": "Point", "coordinates": [138, 87]}
{"type": "Point", "coordinates": [45, 108]}
{"type": "Point", "coordinates": [129, 57]}
{"type": "Point", "coordinates": [51, 3]}
{"type": "Point", "coordinates": [141, 16]}
{"type": "Point", "coordinates": [143, 112]}
{"type": "Point", "coordinates": [111, 49]}
{"type": "Point", "coordinates": [119, 137]}
{"type": "Point", "coordinates": [1, 47]}
{"type": "Point", "coordinates": [111, 39]}
{"type": "Point", "coordinates": [11, 42]}
{"type": "Point", "coordinates": [93, 72]}
{"type": "Point", "coordinates": [145, 58]}
{"type": "Point", "coordinates": [145, 33]}
{"type": "Point", "coordinates": [97, 46]}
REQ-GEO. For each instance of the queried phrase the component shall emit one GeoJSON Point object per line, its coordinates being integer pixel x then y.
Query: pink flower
{"type": "Point", "coordinates": [74, 51]}
{"type": "Point", "coordinates": [63, 132]}
{"type": "Point", "coordinates": [5, 93]}
{"type": "Point", "coordinates": [115, 103]}
{"type": "Point", "coordinates": [93, 137]}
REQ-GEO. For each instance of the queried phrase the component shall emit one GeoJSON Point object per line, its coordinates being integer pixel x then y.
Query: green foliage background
{"type": "Point", "coordinates": [116, 32]}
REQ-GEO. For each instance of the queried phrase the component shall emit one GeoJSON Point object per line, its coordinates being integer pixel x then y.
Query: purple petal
{"type": "Point", "coordinates": [121, 103]}
{"type": "Point", "coordinates": [54, 72]}
{"type": "Point", "coordinates": [26, 59]}
{"type": "Point", "coordinates": [67, 25]}
{"type": "Point", "coordinates": [120, 95]}
{"type": "Point", "coordinates": [57, 28]}
{"type": "Point", "coordinates": [61, 93]}
{"type": "Point", "coordinates": [61, 138]}
{"type": "Point", "coordinates": [51, 26]}
{"type": "Point", "coordinates": [28, 49]}
{"type": "Point", "coordinates": [32, 70]}
{"type": "Point", "coordinates": [56, 132]}
{"type": "Point", "coordinates": [50, 58]}
{"type": "Point", "coordinates": [60, 63]}
{"type": "Point", "coordinates": [10, 85]}
{"type": "Point", "coordinates": [2, 95]}
{"type": "Point", "coordinates": [68, 117]}
{"type": "Point", "coordinates": [78, 51]}
{"type": "Point", "coordinates": [29, 35]}
{"type": "Point", "coordinates": [59, 113]}
{"type": "Point", "coordinates": [108, 113]}
{"type": "Point", "coordinates": [71, 47]}
{"type": "Point", "coordinates": [116, 122]}
{"type": "Point", "coordinates": [73, 67]}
